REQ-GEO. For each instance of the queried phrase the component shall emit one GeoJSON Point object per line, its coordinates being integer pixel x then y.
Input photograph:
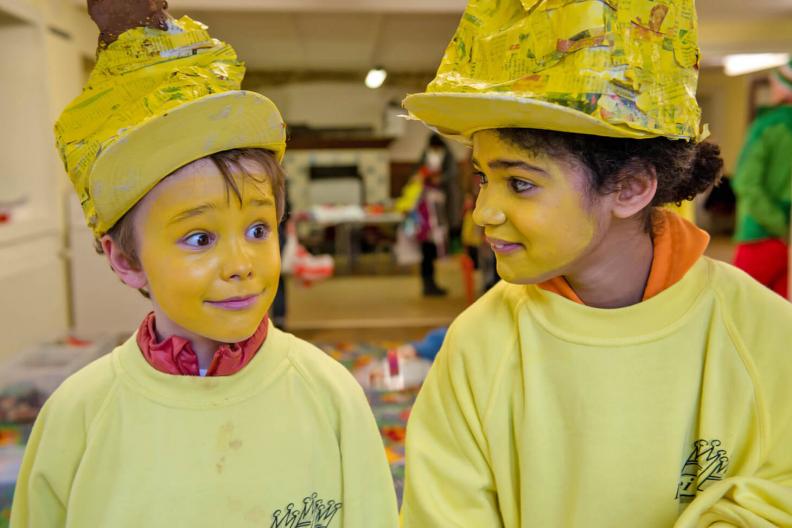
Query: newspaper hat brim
{"type": "Point", "coordinates": [460, 115]}
{"type": "Point", "coordinates": [132, 166]}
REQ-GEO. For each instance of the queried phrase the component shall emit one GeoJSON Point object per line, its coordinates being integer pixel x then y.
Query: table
{"type": "Point", "coordinates": [348, 220]}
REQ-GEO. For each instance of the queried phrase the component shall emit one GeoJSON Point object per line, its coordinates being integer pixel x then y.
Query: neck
{"type": "Point", "coordinates": [614, 275]}
{"type": "Point", "coordinates": [203, 347]}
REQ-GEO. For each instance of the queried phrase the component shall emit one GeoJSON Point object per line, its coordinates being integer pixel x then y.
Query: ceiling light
{"type": "Point", "coordinates": [753, 62]}
{"type": "Point", "coordinates": [375, 77]}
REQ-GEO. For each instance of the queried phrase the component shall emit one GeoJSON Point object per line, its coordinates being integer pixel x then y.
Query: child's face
{"type": "Point", "coordinates": [211, 265]}
{"type": "Point", "coordinates": [534, 210]}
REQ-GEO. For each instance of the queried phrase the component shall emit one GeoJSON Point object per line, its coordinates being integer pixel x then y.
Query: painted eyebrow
{"type": "Point", "coordinates": [503, 164]}
{"type": "Point", "coordinates": [261, 202]}
{"type": "Point", "coordinates": [193, 212]}
{"type": "Point", "coordinates": [201, 209]}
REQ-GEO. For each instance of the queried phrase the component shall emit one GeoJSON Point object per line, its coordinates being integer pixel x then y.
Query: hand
{"type": "Point", "coordinates": [407, 351]}
{"type": "Point", "coordinates": [113, 17]}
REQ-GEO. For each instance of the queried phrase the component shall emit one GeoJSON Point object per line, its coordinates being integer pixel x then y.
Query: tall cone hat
{"type": "Point", "coordinates": [156, 101]}
{"type": "Point", "coordinates": [618, 68]}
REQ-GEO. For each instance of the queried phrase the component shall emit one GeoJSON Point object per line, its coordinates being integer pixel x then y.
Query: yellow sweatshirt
{"type": "Point", "coordinates": [541, 412]}
{"type": "Point", "coordinates": [289, 441]}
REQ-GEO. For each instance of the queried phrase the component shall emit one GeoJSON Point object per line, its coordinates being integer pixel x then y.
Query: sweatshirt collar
{"type": "Point", "coordinates": [646, 321]}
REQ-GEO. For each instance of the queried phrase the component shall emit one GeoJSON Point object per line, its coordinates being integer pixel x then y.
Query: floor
{"type": "Point", "coordinates": [369, 307]}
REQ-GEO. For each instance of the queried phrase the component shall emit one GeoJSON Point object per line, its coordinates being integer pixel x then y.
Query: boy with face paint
{"type": "Point", "coordinates": [616, 376]}
{"type": "Point", "coordinates": [208, 415]}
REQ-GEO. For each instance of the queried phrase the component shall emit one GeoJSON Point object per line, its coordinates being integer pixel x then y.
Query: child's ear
{"type": "Point", "coordinates": [635, 193]}
{"type": "Point", "coordinates": [128, 273]}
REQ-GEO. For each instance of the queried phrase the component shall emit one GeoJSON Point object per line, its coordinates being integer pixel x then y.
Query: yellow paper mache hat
{"type": "Point", "coordinates": [619, 68]}
{"type": "Point", "coordinates": [156, 101]}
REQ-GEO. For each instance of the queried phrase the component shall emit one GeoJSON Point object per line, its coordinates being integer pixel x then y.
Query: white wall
{"type": "Point", "coordinates": [39, 73]}
{"type": "Point", "coordinates": [101, 304]}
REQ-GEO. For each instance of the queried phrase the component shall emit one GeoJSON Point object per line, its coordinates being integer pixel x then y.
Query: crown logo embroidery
{"type": "Point", "coordinates": [315, 513]}
{"type": "Point", "coordinates": [707, 463]}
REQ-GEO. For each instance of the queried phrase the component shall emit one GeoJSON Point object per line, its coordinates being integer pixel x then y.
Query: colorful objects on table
{"type": "Point", "coordinates": [393, 362]}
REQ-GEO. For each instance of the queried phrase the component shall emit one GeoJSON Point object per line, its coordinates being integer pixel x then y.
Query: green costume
{"type": "Point", "coordinates": [763, 181]}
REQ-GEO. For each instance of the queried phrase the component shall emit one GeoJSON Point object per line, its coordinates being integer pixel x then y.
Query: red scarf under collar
{"type": "Point", "coordinates": [176, 356]}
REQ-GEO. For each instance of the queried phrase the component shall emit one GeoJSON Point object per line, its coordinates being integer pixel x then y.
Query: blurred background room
{"type": "Point", "coordinates": [374, 261]}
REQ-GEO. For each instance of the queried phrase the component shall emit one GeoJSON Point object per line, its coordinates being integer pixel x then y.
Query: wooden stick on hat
{"type": "Point", "coordinates": [113, 17]}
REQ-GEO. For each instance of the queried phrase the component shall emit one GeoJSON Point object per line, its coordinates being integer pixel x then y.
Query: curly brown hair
{"type": "Point", "coordinates": [684, 169]}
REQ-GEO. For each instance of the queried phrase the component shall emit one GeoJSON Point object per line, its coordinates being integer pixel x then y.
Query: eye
{"type": "Point", "coordinates": [520, 186]}
{"type": "Point", "coordinates": [258, 231]}
{"type": "Point", "coordinates": [481, 177]}
{"type": "Point", "coordinates": [198, 240]}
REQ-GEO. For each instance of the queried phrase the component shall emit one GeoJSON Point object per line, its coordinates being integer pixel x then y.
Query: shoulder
{"type": "Point", "coordinates": [496, 307]}
{"type": "Point", "coordinates": [759, 320]}
{"type": "Point", "coordinates": [753, 307]}
{"type": "Point", "coordinates": [81, 397]}
{"type": "Point", "coordinates": [321, 373]}
{"type": "Point", "coordinates": [483, 343]}
{"type": "Point", "coordinates": [490, 322]}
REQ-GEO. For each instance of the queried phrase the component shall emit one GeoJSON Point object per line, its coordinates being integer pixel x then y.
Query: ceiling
{"type": "Point", "coordinates": [334, 41]}
{"type": "Point", "coordinates": [410, 36]}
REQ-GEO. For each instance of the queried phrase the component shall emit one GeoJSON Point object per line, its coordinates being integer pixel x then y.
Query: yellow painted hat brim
{"type": "Point", "coordinates": [124, 173]}
{"type": "Point", "coordinates": [460, 115]}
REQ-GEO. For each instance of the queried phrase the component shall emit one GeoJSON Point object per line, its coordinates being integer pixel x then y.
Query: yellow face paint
{"type": "Point", "coordinates": [211, 264]}
{"type": "Point", "coordinates": [533, 210]}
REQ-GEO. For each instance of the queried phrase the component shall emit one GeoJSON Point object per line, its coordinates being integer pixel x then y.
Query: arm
{"type": "Point", "coordinates": [369, 498]}
{"type": "Point", "coordinates": [763, 500]}
{"type": "Point", "coordinates": [410, 195]}
{"type": "Point", "coordinates": [448, 481]}
{"type": "Point", "coordinates": [761, 496]}
{"type": "Point", "coordinates": [51, 459]}
{"type": "Point", "coordinates": [430, 346]}
{"type": "Point", "coordinates": [750, 187]}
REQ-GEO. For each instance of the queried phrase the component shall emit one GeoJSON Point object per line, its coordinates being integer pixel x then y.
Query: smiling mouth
{"type": "Point", "coordinates": [235, 303]}
{"type": "Point", "coordinates": [504, 247]}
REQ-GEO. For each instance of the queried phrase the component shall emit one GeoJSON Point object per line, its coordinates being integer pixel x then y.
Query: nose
{"type": "Point", "coordinates": [238, 262]}
{"type": "Point", "coordinates": [487, 213]}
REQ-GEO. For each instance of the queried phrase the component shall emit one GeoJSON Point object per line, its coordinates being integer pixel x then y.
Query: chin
{"type": "Point", "coordinates": [234, 334]}
{"type": "Point", "coordinates": [526, 280]}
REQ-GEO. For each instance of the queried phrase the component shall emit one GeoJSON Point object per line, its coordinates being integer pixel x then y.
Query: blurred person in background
{"type": "Point", "coordinates": [424, 201]}
{"type": "Point", "coordinates": [763, 187]}
{"type": "Point", "coordinates": [440, 160]}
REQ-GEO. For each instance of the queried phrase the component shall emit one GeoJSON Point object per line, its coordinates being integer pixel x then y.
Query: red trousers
{"type": "Point", "coordinates": [766, 261]}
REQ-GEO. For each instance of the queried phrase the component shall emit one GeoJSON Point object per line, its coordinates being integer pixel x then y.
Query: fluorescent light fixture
{"type": "Point", "coordinates": [375, 77]}
{"type": "Point", "coordinates": [753, 62]}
